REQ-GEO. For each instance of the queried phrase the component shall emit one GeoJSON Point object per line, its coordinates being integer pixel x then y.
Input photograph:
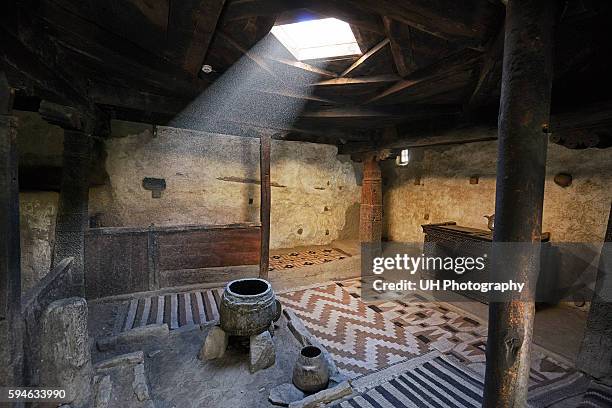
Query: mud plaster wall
{"type": "Point", "coordinates": [435, 187]}
{"type": "Point", "coordinates": [213, 179]}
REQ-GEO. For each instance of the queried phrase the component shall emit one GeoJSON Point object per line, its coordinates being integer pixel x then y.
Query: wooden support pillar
{"type": "Point", "coordinates": [595, 356]}
{"type": "Point", "coordinates": [72, 213]}
{"type": "Point", "coordinates": [370, 213]}
{"type": "Point", "coordinates": [523, 125]}
{"type": "Point", "coordinates": [11, 327]}
{"type": "Point", "coordinates": [264, 209]}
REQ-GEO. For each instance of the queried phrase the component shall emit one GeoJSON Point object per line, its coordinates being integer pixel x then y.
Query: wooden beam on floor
{"type": "Point", "coordinates": [365, 57]}
{"type": "Point", "coordinates": [265, 205]}
{"type": "Point", "coordinates": [521, 169]}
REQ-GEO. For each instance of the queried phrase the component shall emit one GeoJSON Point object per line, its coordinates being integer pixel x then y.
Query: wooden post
{"type": "Point", "coordinates": [11, 344]}
{"type": "Point", "coordinates": [523, 124]}
{"type": "Point", "coordinates": [264, 209]}
{"type": "Point", "coordinates": [72, 213]}
{"type": "Point", "coordinates": [370, 213]}
{"type": "Point", "coordinates": [595, 356]}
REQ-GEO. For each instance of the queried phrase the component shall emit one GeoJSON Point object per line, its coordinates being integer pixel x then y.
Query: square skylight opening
{"type": "Point", "coordinates": [314, 39]}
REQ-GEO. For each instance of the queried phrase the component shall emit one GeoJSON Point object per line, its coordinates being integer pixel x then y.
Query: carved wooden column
{"type": "Point", "coordinates": [521, 164]}
{"type": "Point", "coordinates": [370, 213]}
{"type": "Point", "coordinates": [11, 344]}
{"type": "Point", "coordinates": [595, 357]}
{"type": "Point", "coordinates": [265, 205]}
{"type": "Point", "coordinates": [72, 212]}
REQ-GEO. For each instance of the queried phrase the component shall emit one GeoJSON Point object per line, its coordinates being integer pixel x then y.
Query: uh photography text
{"type": "Point", "coordinates": [403, 272]}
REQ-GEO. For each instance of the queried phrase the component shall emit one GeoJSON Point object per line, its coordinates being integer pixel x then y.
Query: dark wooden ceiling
{"type": "Point", "coordinates": [426, 64]}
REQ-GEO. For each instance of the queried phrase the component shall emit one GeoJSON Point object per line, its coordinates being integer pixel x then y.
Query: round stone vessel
{"type": "Point", "coordinates": [310, 373]}
{"type": "Point", "coordinates": [248, 306]}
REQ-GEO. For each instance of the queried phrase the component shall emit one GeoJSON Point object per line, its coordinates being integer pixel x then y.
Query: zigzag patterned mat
{"type": "Point", "coordinates": [298, 258]}
{"type": "Point", "coordinates": [455, 333]}
{"type": "Point", "coordinates": [359, 339]}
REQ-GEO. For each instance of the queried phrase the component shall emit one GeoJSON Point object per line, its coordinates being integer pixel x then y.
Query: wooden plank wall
{"type": "Point", "coordinates": [126, 260]}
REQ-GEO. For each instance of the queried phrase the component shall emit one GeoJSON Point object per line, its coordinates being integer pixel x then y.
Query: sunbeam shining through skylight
{"type": "Point", "coordinates": [315, 39]}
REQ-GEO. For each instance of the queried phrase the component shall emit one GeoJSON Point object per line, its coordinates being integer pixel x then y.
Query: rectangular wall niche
{"type": "Point", "coordinates": [155, 185]}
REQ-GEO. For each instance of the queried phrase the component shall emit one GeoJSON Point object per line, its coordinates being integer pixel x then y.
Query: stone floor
{"type": "Point", "coordinates": [176, 378]}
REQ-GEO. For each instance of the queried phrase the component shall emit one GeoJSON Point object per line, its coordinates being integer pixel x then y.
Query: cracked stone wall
{"type": "Point", "coordinates": [37, 211]}
{"type": "Point", "coordinates": [212, 179]}
{"type": "Point", "coordinates": [435, 187]}
{"type": "Point", "coordinates": [40, 147]}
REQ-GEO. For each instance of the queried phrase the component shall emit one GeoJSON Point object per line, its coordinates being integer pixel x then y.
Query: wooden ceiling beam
{"type": "Point", "coordinates": [596, 117]}
{"type": "Point", "coordinates": [398, 111]}
{"type": "Point", "coordinates": [365, 57]}
{"type": "Point", "coordinates": [374, 79]}
{"type": "Point", "coordinates": [191, 27]}
{"type": "Point", "coordinates": [451, 64]}
{"type": "Point", "coordinates": [36, 62]}
{"type": "Point", "coordinates": [257, 59]}
{"type": "Point", "coordinates": [463, 22]}
{"type": "Point", "coordinates": [303, 66]}
{"type": "Point", "coordinates": [403, 68]}
{"type": "Point", "coordinates": [489, 78]}
{"type": "Point", "coordinates": [241, 9]}
{"type": "Point", "coordinates": [110, 53]}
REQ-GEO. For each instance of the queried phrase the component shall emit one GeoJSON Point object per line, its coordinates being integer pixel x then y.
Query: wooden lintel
{"type": "Point", "coordinates": [66, 117]}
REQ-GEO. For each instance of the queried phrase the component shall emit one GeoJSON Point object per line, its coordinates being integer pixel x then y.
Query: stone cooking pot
{"type": "Point", "coordinates": [248, 306]}
{"type": "Point", "coordinates": [310, 372]}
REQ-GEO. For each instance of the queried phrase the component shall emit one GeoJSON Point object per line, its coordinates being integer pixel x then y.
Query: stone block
{"type": "Point", "coordinates": [104, 389]}
{"type": "Point", "coordinates": [285, 394]}
{"type": "Point", "coordinates": [66, 359]}
{"type": "Point", "coordinates": [141, 389]}
{"type": "Point", "coordinates": [136, 357]}
{"type": "Point", "coordinates": [261, 352]}
{"type": "Point", "coordinates": [215, 344]}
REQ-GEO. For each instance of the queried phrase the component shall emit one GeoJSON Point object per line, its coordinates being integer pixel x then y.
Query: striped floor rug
{"type": "Point", "coordinates": [174, 309]}
{"type": "Point", "coordinates": [437, 383]}
{"type": "Point", "coordinates": [597, 396]}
